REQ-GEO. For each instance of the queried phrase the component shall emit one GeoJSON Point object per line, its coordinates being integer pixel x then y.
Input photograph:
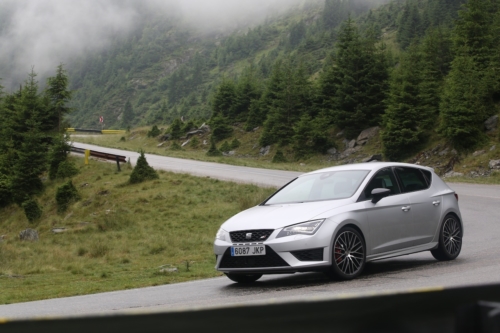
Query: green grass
{"type": "Point", "coordinates": [118, 236]}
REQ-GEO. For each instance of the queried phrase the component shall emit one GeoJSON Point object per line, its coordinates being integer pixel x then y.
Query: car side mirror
{"type": "Point", "coordinates": [380, 193]}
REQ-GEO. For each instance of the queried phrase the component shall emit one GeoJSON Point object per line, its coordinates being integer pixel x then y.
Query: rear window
{"type": "Point", "coordinates": [412, 179]}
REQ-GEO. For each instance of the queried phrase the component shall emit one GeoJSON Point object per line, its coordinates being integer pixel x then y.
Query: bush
{"type": "Point", "coordinates": [189, 126]}
{"type": "Point", "coordinates": [176, 129]}
{"type": "Point", "coordinates": [65, 195]}
{"type": "Point", "coordinates": [66, 169]}
{"type": "Point", "coordinates": [32, 210]}
{"type": "Point", "coordinates": [175, 146]}
{"type": "Point", "coordinates": [213, 151]}
{"type": "Point", "coordinates": [142, 171]}
{"type": "Point", "coordinates": [225, 147]}
{"type": "Point", "coordinates": [154, 132]}
{"type": "Point", "coordinates": [195, 142]}
{"type": "Point", "coordinates": [279, 157]}
{"type": "Point", "coordinates": [235, 144]}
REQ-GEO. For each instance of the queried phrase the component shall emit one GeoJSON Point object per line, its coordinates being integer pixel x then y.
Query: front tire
{"type": "Point", "coordinates": [450, 239]}
{"type": "Point", "coordinates": [244, 278]}
{"type": "Point", "coordinates": [348, 255]}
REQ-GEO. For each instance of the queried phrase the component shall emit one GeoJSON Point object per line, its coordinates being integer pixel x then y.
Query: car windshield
{"type": "Point", "coordinates": [320, 186]}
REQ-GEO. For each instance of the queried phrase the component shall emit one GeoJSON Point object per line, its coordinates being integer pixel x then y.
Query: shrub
{"type": "Point", "coordinates": [66, 169]}
{"type": "Point", "coordinates": [213, 151]}
{"type": "Point", "coordinates": [142, 171]}
{"type": "Point", "coordinates": [65, 195]}
{"type": "Point", "coordinates": [194, 142]}
{"type": "Point", "coordinates": [235, 144]}
{"type": "Point", "coordinates": [32, 210]}
{"type": "Point", "coordinates": [225, 147]}
{"type": "Point", "coordinates": [175, 146]}
{"type": "Point", "coordinates": [279, 157]}
{"type": "Point", "coordinates": [154, 132]}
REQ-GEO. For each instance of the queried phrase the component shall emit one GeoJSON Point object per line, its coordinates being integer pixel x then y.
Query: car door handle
{"type": "Point", "coordinates": [406, 209]}
{"type": "Point", "coordinates": [436, 203]}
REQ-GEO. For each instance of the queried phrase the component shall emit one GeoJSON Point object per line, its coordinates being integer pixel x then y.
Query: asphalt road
{"type": "Point", "coordinates": [478, 263]}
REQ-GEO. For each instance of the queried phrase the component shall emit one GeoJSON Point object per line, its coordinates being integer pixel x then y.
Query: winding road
{"type": "Point", "coordinates": [479, 262]}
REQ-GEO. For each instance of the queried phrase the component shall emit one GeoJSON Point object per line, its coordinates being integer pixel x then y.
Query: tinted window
{"type": "Point", "coordinates": [428, 176]}
{"type": "Point", "coordinates": [411, 179]}
{"type": "Point", "coordinates": [383, 179]}
{"type": "Point", "coordinates": [320, 186]}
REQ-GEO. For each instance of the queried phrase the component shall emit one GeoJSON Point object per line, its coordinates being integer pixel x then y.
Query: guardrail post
{"type": "Point", "coordinates": [118, 163]}
{"type": "Point", "coordinates": [87, 154]}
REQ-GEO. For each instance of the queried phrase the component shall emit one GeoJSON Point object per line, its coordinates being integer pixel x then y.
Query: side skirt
{"type": "Point", "coordinates": [403, 252]}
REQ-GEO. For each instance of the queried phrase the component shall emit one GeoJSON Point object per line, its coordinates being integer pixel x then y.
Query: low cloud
{"type": "Point", "coordinates": [44, 33]}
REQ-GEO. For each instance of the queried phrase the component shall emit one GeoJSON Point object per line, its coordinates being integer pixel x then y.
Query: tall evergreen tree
{"type": "Point", "coordinates": [293, 97]}
{"type": "Point", "coordinates": [410, 24]}
{"type": "Point", "coordinates": [468, 91]}
{"type": "Point", "coordinates": [463, 106]}
{"type": "Point", "coordinates": [128, 114]}
{"type": "Point", "coordinates": [59, 96]}
{"type": "Point", "coordinates": [402, 121]}
{"type": "Point", "coordinates": [354, 87]}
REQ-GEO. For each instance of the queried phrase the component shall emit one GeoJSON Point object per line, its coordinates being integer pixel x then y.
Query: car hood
{"type": "Point", "coordinates": [279, 216]}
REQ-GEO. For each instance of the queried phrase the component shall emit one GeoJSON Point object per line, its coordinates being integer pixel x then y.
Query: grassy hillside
{"type": "Point", "coordinates": [118, 236]}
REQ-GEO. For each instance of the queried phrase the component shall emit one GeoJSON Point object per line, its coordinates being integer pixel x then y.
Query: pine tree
{"type": "Point", "coordinates": [463, 106]}
{"type": "Point", "coordinates": [469, 88]}
{"type": "Point", "coordinates": [58, 153]}
{"type": "Point", "coordinates": [410, 25]}
{"type": "Point", "coordinates": [30, 157]}
{"type": "Point", "coordinates": [142, 171]}
{"type": "Point", "coordinates": [225, 99]}
{"type": "Point", "coordinates": [128, 115]}
{"type": "Point", "coordinates": [247, 90]}
{"type": "Point", "coordinates": [176, 129]}
{"type": "Point", "coordinates": [354, 87]}
{"type": "Point", "coordinates": [402, 121]}
{"type": "Point", "coordinates": [220, 127]}
{"type": "Point", "coordinates": [59, 96]}
{"type": "Point", "coordinates": [292, 96]}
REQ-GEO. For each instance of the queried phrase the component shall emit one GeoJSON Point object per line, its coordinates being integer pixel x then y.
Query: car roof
{"type": "Point", "coordinates": [370, 166]}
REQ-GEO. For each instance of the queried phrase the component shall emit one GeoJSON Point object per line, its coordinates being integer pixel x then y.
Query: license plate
{"type": "Point", "coordinates": [249, 250]}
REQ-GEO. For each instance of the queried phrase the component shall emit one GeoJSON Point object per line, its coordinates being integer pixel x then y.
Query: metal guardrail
{"type": "Point", "coordinates": [455, 310]}
{"type": "Point", "coordinates": [72, 130]}
{"type": "Point", "coordinates": [111, 157]}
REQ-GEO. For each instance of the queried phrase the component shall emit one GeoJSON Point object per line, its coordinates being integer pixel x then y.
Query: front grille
{"type": "Point", "coordinates": [271, 259]}
{"type": "Point", "coordinates": [309, 255]}
{"type": "Point", "coordinates": [257, 235]}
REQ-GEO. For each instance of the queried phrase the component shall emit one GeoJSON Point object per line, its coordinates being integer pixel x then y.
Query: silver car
{"type": "Point", "coordinates": [337, 219]}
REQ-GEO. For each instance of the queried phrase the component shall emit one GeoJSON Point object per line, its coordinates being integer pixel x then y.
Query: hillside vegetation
{"type": "Point", "coordinates": [425, 72]}
{"type": "Point", "coordinates": [117, 235]}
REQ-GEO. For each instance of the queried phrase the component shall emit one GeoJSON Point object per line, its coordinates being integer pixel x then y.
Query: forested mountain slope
{"type": "Point", "coordinates": [167, 69]}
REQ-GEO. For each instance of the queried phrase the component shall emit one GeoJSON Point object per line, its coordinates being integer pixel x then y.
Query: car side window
{"type": "Point", "coordinates": [383, 179]}
{"type": "Point", "coordinates": [411, 179]}
{"type": "Point", "coordinates": [428, 176]}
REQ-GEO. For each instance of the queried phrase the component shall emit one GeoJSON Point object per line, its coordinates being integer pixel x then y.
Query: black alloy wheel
{"type": "Point", "coordinates": [244, 278]}
{"type": "Point", "coordinates": [450, 239]}
{"type": "Point", "coordinates": [349, 254]}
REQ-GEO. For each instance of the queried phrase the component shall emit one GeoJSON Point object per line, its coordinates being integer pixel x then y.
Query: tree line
{"type": "Point", "coordinates": [445, 80]}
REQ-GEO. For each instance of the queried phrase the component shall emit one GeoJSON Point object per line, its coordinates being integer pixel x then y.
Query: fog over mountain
{"type": "Point", "coordinates": [44, 33]}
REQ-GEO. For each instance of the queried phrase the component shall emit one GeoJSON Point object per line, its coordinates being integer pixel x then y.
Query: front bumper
{"type": "Point", "coordinates": [299, 253]}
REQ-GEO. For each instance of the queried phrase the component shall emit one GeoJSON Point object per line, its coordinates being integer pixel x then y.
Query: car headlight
{"type": "Point", "coordinates": [221, 235]}
{"type": "Point", "coordinates": [305, 228]}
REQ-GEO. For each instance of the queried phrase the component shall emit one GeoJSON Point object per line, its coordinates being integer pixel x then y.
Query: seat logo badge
{"type": "Point", "coordinates": [248, 235]}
